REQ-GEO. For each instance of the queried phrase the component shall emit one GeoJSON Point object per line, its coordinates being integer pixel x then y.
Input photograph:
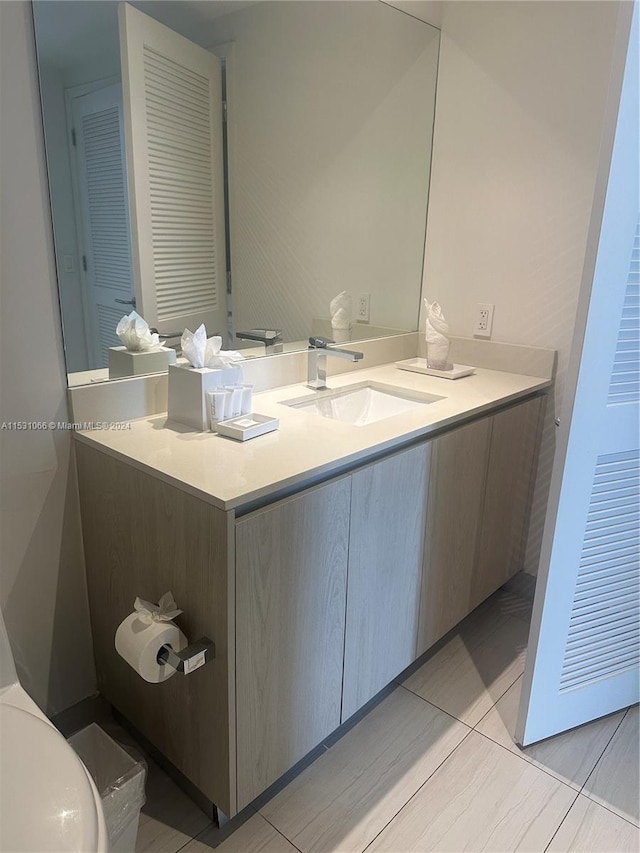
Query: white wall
{"type": "Point", "coordinates": [519, 114]}
{"type": "Point", "coordinates": [42, 589]}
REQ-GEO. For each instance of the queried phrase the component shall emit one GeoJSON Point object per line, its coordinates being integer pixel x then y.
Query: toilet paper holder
{"type": "Point", "coordinates": [193, 657]}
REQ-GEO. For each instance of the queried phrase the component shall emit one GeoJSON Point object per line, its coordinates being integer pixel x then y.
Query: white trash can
{"type": "Point", "coordinates": [119, 779]}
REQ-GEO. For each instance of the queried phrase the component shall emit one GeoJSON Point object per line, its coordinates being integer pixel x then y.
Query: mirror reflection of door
{"type": "Point", "coordinates": [324, 192]}
{"type": "Point", "coordinates": [173, 128]}
{"type": "Point", "coordinates": [102, 218]}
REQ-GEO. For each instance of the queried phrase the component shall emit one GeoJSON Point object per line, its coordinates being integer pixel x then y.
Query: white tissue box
{"type": "Point", "coordinates": [187, 391]}
{"type": "Point", "coordinates": [123, 363]}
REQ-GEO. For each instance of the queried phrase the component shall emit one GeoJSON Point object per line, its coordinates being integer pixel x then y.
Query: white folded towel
{"type": "Point", "coordinates": [341, 309]}
{"type": "Point", "coordinates": [437, 330]}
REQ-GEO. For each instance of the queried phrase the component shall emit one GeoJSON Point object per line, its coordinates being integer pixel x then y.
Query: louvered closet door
{"type": "Point", "coordinates": [104, 227]}
{"type": "Point", "coordinates": [584, 651]}
{"type": "Point", "coordinates": [173, 122]}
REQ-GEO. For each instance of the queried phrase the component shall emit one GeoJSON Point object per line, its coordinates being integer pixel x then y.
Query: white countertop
{"type": "Point", "coordinates": [229, 474]}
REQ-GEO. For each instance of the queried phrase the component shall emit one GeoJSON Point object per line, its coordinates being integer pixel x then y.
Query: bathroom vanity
{"type": "Point", "coordinates": [322, 560]}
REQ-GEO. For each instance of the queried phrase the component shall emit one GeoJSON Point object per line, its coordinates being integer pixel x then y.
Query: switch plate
{"type": "Point", "coordinates": [364, 307]}
{"type": "Point", "coordinates": [484, 320]}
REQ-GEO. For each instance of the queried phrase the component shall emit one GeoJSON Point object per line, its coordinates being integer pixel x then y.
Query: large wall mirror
{"type": "Point", "coordinates": [237, 163]}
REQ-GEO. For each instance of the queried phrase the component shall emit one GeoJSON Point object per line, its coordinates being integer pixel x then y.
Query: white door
{"type": "Point", "coordinates": [173, 127]}
{"type": "Point", "coordinates": [105, 234]}
{"type": "Point", "coordinates": [583, 659]}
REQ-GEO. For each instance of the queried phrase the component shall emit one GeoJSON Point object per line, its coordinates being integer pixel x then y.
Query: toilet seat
{"type": "Point", "coordinates": [47, 799]}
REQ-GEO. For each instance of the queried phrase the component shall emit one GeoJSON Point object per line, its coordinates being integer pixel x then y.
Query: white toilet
{"type": "Point", "coordinates": [48, 801]}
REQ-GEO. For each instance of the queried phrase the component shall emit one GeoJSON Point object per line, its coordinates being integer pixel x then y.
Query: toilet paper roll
{"type": "Point", "coordinates": [139, 642]}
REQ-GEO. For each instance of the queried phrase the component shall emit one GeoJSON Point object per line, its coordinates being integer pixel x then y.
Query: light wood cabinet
{"type": "Point", "coordinates": [480, 490]}
{"type": "Point", "coordinates": [507, 496]}
{"type": "Point", "coordinates": [143, 537]}
{"type": "Point", "coordinates": [291, 587]}
{"type": "Point", "coordinates": [314, 602]}
{"type": "Point", "coordinates": [386, 543]}
{"type": "Point", "coordinates": [454, 515]}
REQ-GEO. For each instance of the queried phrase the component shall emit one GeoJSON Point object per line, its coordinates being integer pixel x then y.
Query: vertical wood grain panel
{"type": "Point", "coordinates": [291, 580]}
{"type": "Point", "coordinates": [509, 490]}
{"type": "Point", "coordinates": [454, 512]}
{"type": "Point", "coordinates": [144, 537]}
{"type": "Point", "coordinates": [386, 551]}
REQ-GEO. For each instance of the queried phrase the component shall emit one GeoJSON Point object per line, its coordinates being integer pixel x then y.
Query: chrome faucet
{"type": "Point", "coordinates": [319, 349]}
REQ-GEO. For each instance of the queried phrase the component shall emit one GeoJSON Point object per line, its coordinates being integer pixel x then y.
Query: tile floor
{"type": "Point", "coordinates": [433, 767]}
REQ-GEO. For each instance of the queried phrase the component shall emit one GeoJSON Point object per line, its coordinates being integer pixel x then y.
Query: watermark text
{"type": "Point", "coordinates": [50, 426]}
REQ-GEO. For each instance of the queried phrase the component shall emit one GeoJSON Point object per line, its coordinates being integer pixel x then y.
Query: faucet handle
{"type": "Point", "coordinates": [319, 343]}
{"type": "Point", "coordinates": [265, 336]}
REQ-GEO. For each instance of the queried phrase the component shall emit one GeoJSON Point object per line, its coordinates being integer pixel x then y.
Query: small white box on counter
{"type": "Point", "coordinates": [123, 362]}
{"type": "Point", "coordinates": [187, 391]}
{"type": "Point", "coordinates": [247, 426]}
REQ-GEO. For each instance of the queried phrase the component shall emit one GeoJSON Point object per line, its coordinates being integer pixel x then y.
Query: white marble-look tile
{"type": "Point", "coordinates": [488, 617]}
{"type": "Point", "coordinates": [481, 798]}
{"type": "Point", "coordinates": [515, 598]}
{"type": "Point", "coordinates": [169, 819]}
{"type": "Point", "coordinates": [347, 796]}
{"type": "Point", "coordinates": [570, 756]}
{"type": "Point", "coordinates": [465, 679]}
{"type": "Point", "coordinates": [254, 836]}
{"type": "Point", "coordinates": [590, 828]}
{"type": "Point", "coordinates": [614, 781]}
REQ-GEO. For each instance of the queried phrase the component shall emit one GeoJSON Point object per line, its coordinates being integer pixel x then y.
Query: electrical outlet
{"type": "Point", "coordinates": [484, 320]}
{"type": "Point", "coordinates": [364, 307]}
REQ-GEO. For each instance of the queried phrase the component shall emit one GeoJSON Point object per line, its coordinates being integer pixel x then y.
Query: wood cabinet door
{"type": "Point", "coordinates": [143, 537]}
{"type": "Point", "coordinates": [457, 479]}
{"type": "Point", "coordinates": [291, 581]}
{"type": "Point", "coordinates": [388, 502]}
{"type": "Point", "coordinates": [515, 435]}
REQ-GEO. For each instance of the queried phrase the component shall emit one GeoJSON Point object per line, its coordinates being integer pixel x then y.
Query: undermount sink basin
{"type": "Point", "coordinates": [362, 404]}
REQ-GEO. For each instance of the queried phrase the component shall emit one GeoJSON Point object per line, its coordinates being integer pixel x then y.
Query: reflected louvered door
{"type": "Point", "coordinates": [173, 122]}
{"type": "Point", "coordinates": [584, 650]}
{"type": "Point", "coordinates": [104, 228]}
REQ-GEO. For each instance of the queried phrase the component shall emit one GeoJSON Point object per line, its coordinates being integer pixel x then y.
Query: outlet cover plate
{"type": "Point", "coordinates": [364, 308]}
{"type": "Point", "coordinates": [484, 320]}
